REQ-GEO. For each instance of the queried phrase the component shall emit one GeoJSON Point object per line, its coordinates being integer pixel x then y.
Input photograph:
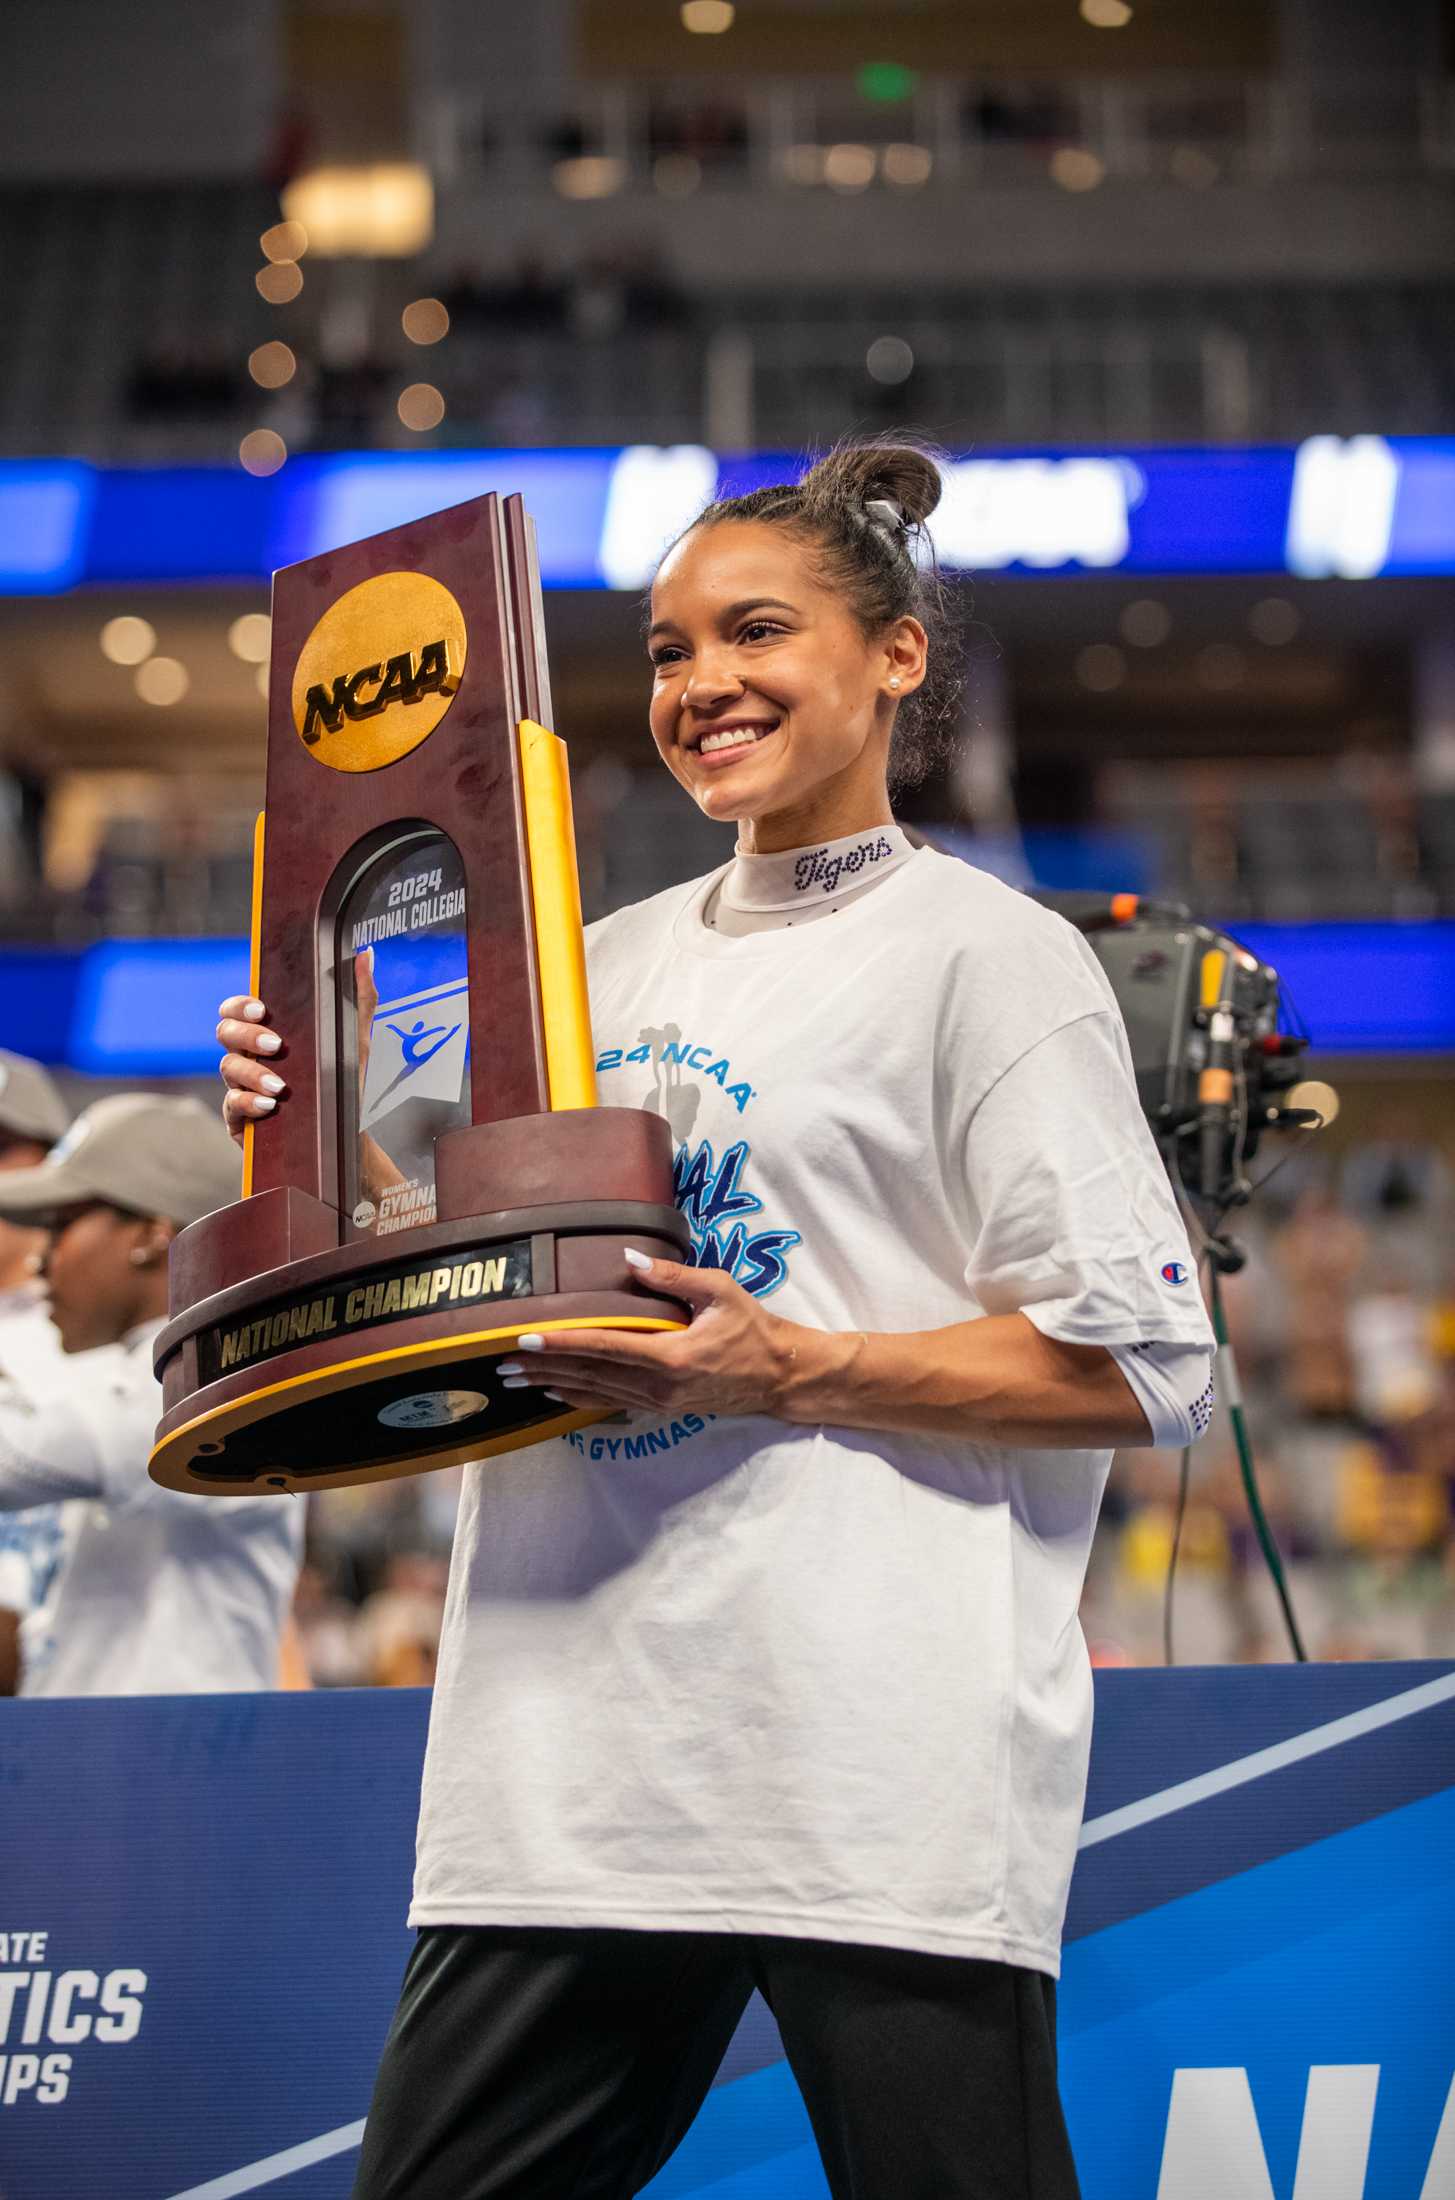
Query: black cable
{"type": "Point", "coordinates": [1184, 1476]}
{"type": "Point", "coordinates": [1250, 1480]}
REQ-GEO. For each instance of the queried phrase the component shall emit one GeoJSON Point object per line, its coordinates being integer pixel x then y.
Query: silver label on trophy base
{"type": "Point", "coordinates": [432, 1408]}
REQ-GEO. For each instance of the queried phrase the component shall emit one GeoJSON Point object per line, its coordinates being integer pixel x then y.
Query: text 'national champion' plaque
{"type": "Point", "coordinates": [437, 1178]}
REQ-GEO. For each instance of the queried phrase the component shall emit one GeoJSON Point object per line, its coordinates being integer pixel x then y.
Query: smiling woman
{"type": "Point", "coordinates": [805, 629]}
{"type": "Point", "coordinates": [780, 1682]}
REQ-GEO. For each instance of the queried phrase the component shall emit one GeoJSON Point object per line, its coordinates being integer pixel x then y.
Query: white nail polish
{"type": "Point", "coordinates": [262, 1105]}
{"type": "Point", "coordinates": [634, 1259]}
{"type": "Point", "coordinates": [515, 1382]}
{"type": "Point", "coordinates": [530, 1344]}
{"type": "Point", "coordinates": [253, 1010]}
{"type": "Point", "coordinates": [272, 1083]}
{"type": "Point", "coordinates": [509, 1367]}
{"type": "Point", "coordinates": [268, 1042]}
{"type": "Point", "coordinates": [555, 1396]}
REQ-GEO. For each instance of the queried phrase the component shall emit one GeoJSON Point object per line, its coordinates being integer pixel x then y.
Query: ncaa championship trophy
{"type": "Point", "coordinates": [439, 1178]}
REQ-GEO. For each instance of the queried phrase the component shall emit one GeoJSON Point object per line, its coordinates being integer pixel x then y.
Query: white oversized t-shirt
{"type": "Point", "coordinates": [740, 1676]}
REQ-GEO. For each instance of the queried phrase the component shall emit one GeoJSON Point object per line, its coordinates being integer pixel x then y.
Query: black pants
{"type": "Point", "coordinates": [567, 2065]}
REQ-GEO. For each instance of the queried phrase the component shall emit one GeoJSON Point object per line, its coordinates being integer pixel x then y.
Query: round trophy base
{"type": "Point", "coordinates": [295, 1361]}
{"type": "Point", "coordinates": [388, 1410]}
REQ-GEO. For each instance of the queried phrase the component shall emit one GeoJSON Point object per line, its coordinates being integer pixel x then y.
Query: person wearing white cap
{"type": "Point", "coordinates": [32, 1117]}
{"type": "Point", "coordinates": [158, 1593]}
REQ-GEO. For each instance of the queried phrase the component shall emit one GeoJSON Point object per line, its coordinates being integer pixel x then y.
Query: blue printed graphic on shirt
{"type": "Point", "coordinates": [710, 1194]}
{"type": "Point", "coordinates": [710, 1191]}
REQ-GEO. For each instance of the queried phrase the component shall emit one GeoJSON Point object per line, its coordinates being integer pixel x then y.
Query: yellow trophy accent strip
{"type": "Point", "coordinates": [1214, 963]}
{"type": "Point", "coordinates": [556, 896]}
{"type": "Point", "coordinates": [255, 979]}
{"type": "Point", "coordinates": [504, 1340]}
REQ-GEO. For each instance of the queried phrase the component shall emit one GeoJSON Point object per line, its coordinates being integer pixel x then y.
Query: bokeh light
{"type": "Point", "coordinates": [708, 18]}
{"type": "Point", "coordinates": [279, 282]}
{"type": "Point", "coordinates": [162, 680]}
{"type": "Point", "coordinates": [1146, 623]}
{"type": "Point", "coordinates": [127, 641]}
{"type": "Point", "coordinates": [425, 321]}
{"type": "Point", "coordinates": [1106, 15]}
{"type": "Point", "coordinates": [907, 167]}
{"type": "Point", "coordinates": [1274, 620]}
{"type": "Point", "coordinates": [848, 167]}
{"type": "Point", "coordinates": [271, 365]}
{"type": "Point", "coordinates": [262, 680]}
{"type": "Point", "coordinates": [262, 451]}
{"type": "Point", "coordinates": [1076, 168]}
{"type": "Point", "coordinates": [421, 406]}
{"type": "Point", "coordinates": [1101, 667]}
{"type": "Point", "coordinates": [589, 176]}
{"type": "Point", "coordinates": [889, 359]}
{"type": "Point", "coordinates": [250, 637]}
{"type": "Point", "coordinates": [284, 241]}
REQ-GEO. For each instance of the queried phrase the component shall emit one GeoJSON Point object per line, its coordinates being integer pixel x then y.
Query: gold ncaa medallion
{"type": "Point", "coordinates": [379, 671]}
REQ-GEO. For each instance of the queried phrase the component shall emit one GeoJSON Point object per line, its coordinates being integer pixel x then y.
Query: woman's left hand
{"type": "Point", "coordinates": [734, 1359]}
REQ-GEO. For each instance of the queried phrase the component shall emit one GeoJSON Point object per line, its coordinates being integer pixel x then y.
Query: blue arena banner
{"type": "Point", "coordinates": [1353, 507]}
{"type": "Point", "coordinates": [203, 1934]}
{"type": "Point", "coordinates": [147, 1008]}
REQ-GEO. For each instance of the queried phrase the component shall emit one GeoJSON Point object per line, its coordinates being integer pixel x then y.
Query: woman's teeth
{"type": "Point", "coordinates": [734, 737]}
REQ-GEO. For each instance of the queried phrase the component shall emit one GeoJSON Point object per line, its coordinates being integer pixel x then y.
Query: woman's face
{"type": "Point", "coordinates": [769, 704]}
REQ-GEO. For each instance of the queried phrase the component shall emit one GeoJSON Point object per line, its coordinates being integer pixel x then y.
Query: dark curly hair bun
{"type": "Point", "coordinates": [853, 474]}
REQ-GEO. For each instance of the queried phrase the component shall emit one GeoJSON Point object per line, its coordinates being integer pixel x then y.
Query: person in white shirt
{"type": "Point", "coordinates": [776, 1679]}
{"type": "Point", "coordinates": [156, 1592]}
{"type": "Point", "coordinates": [32, 1117]}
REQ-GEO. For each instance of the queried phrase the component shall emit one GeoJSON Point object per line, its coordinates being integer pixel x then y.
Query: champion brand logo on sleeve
{"type": "Point", "coordinates": [816, 867]}
{"type": "Point", "coordinates": [1173, 1272]}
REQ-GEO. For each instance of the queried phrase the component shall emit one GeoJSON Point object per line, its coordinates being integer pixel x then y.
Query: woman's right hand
{"type": "Point", "coordinates": [253, 1086]}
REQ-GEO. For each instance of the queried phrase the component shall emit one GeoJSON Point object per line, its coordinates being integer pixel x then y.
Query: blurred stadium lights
{"type": "Point", "coordinates": [1077, 168]}
{"type": "Point", "coordinates": [421, 407]}
{"type": "Point", "coordinates": [284, 241]}
{"type": "Point", "coordinates": [262, 451]}
{"type": "Point", "coordinates": [250, 637]}
{"type": "Point", "coordinates": [271, 365]}
{"type": "Point", "coordinates": [1220, 667]}
{"type": "Point", "coordinates": [1101, 667]}
{"type": "Point", "coordinates": [128, 641]}
{"type": "Point", "coordinates": [849, 167]}
{"type": "Point", "coordinates": [1106, 15]}
{"type": "Point", "coordinates": [384, 211]}
{"type": "Point", "coordinates": [1146, 623]}
{"type": "Point", "coordinates": [425, 321]}
{"type": "Point", "coordinates": [907, 167]}
{"type": "Point", "coordinates": [161, 680]}
{"type": "Point", "coordinates": [889, 359]}
{"type": "Point", "coordinates": [1273, 621]}
{"type": "Point", "coordinates": [707, 18]}
{"type": "Point", "coordinates": [279, 282]}
{"type": "Point", "coordinates": [589, 176]}
{"type": "Point", "coordinates": [887, 83]}
{"type": "Point", "coordinates": [1221, 509]}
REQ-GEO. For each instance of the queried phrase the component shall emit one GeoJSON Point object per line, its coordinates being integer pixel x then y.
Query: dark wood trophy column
{"type": "Point", "coordinates": [438, 1177]}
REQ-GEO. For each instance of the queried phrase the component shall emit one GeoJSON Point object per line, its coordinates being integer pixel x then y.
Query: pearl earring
{"type": "Point", "coordinates": [894, 680]}
{"type": "Point", "coordinates": [140, 1257]}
